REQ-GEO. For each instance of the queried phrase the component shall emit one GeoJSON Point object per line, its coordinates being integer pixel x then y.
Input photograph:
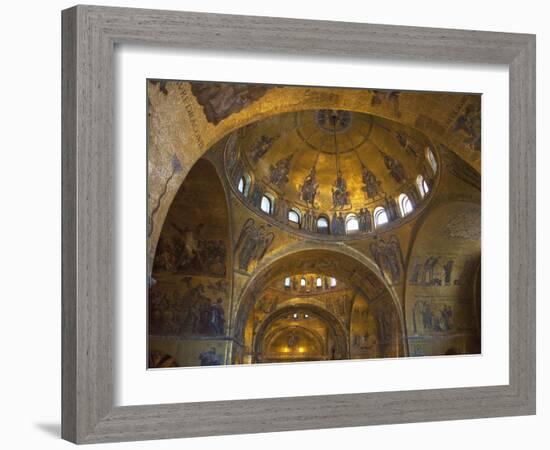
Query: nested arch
{"type": "Point", "coordinates": [333, 262]}
{"type": "Point", "coordinates": [339, 348]}
{"type": "Point", "coordinates": [310, 345]}
{"type": "Point", "coordinates": [194, 254]}
{"type": "Point", "coordinates": [170, 144]}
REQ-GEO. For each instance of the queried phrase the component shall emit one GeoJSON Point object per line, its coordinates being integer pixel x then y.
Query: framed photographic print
{"type": "Point", "coordinates": [267, 230]}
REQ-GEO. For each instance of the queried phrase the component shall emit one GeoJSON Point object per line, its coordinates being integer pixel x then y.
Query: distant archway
{"type": "Point", "coordinates": [333, 261]}
{"type": "Point", "coordinates": [338, 333]}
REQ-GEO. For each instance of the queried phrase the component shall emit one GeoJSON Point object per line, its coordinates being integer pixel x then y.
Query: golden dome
{"type": "Point", "coordinates": [330, 162]}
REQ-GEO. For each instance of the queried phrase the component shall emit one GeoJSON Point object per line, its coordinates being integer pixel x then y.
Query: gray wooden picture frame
{"type": "Point", "coordinates": [90, 34]}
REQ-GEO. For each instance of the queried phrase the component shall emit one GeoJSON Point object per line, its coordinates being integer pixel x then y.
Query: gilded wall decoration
{"type": "Point", "coordinates": [253, 243]}
{"type": "Point", "coordinates": [460, 168]}
{"type": "Point", "coordinates": [340, 193]}
{"type": "Point", "coordinates": [339, 305]}
{"type": "Point", "coordinates": [193, 310]}
{"type": "Point", "coordinates": [432, 271]}
{"type": "Point", "coordinates": [388, 258]}
{"type": "Point", "coordinates": [278, 173]}
{"type": "Point", "coordinates": [465, 225]}
{"type": "Point", "coordinates": [410, 147]}
{"type": "Point", "coordinates": [338, 224]}
{"type": "Point", "coordinates": [220, 100]}
{"type": "Point", "coordinates": [371, 185]}
{"type": "Point", "coordinates": [395, 168]}
{"type": "Point", "coordinates": [261, 147]}
{"type": "Point", "coordinates": [310, 188]}
{"type": "Point", "coordinates": [363, 330]}
{"type": "Point", "coordinates": [187, 253]}
{"type": "Point", "coordinates": [387, 97]}
{"type": "Point", "coordinates": [365, 220]}
{"type": "Point", "coordinates": [428, 317]}
{"type": "Point", "coordinates": [468, 123]}
{"type": "Point", "coordinates": [267, 304]}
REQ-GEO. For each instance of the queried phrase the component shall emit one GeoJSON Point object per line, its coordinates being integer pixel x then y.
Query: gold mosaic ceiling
{"type": "Point", "coordinates": [299, 155]}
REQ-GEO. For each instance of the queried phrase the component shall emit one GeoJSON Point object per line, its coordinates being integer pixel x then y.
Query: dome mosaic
{"type": "Point", "coordinates": [331, 172]}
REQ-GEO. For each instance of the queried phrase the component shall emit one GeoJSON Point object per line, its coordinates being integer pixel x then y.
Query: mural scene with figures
{"type": "Point", "coordinates": [294, 224]}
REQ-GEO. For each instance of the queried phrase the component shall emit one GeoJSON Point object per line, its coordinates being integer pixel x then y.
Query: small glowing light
{"type": "Point", "coordinates": [295, 315]}
{"type": "Point", "coordinates": [306, 315]}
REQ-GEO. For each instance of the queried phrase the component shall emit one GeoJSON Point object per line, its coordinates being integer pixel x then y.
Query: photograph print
{"type": "Point", "coordinates": [298, 223]}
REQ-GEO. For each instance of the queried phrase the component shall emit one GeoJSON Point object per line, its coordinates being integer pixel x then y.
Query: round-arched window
{"type": "Point", "coordinates": [352, 224]}
{"type": "Point", "coordinates": [319, 282]}
{"type": "Point", "coordinates": [405, 204]}
{"type": "Point", "coordinates": [267, 204]}
{"type": "Point", "coordinates": [244, 185]}
{"type": "Point", "coordinates": [422, 185]}
{"type": "Point", "coordinates": [431, 159]}
{"type": "Point", "coordinates": [322, 225]}
{"type": "Point", "coordinates": [380, 216]}
{"type": "Point", "coordinates": [294, 216]}
{"type": "Point", "coordinates": [287, 282]}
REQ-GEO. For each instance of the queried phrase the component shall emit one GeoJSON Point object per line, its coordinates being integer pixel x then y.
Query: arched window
{"type": "Point", "coordinates": [380, 216]}
{"type": "Point", "coordinates": [302, 282]}
{"type": "Point", "coordinates": [294, 216]}
{"type": "Point", "coordinates": [287, 282]}
{"type": "Point", "coordinates": [352, 224]}
{"type": "Point", "coordinates": [244, 185]}
{"type": "Point", "coordinates": [322, 225]}
{"type": "Point", "coordinates": [267, 204]}
{"type": "Point", "coordinates": [319, 282]}
{"type": "Point", "coordinates": [332, 282]}
{"type": "Point", "coordinates": [422, 185]}
{"type": "Point", "coordinates": [431, 159]}
{"type": "Point", "coordinates": [405, 204]}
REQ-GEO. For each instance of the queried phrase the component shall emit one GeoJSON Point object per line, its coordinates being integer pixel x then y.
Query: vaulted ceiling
{"type": "Point", "coordinates": [374, 157]}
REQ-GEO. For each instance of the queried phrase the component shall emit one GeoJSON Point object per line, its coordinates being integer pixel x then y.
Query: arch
{"type": "Point", "coordinates": [380, 216]}
{"type": "Point", "coordinates": [267, 203]}
{"type": "Point", "coordinates": [198, 214]}
{"type": "Point", "coordinates": [352, 223]}
{"type": "Point", "coordinates": [336, 327]}
{"type": "Point", "coordinates": [244, 185]}
{"type": "Point", "coordinates": [405, 205]}
{"type": "Point", "coordinates": [352, 266]}
{"type": "Point", "coordinates": [430, 157]}
{"type": "Point", "coordinates": [323, 225]}
{"type": "Point", "coordinates": [422, 186]}
{"type": "Point", "coordinates": [276, 333]}
{"type": "Point", "coordinates": [294, 216]}
{"type": "Point", "coordinates": [256, 111]}
{"type": "Point", "coordinates": [287, 282]}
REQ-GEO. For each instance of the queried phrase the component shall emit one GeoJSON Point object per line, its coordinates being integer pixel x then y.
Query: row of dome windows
{"type": "Point", "coordinates": [303, 282]}
{"type": "Point", "coordinates": [380, 214]}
